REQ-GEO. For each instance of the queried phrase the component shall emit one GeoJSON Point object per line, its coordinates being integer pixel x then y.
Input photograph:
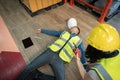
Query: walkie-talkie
{"type": "Point", "coordinates": [77, 51]}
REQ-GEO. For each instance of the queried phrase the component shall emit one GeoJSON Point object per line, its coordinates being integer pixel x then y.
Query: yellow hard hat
{"type": "Point", "coordinates": [119, 43]}
{"type": "Point", "coordinates": [104, 37]}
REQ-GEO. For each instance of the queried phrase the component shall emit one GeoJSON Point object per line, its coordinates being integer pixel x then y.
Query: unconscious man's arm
{"type": "Point", "coordinates": [83, 58]}
{"type": "Point", "coordinates": [49, 32]}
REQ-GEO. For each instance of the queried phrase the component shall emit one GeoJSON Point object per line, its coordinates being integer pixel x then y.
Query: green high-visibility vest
{"type": "Point", "coordinates": [66, 47]}
{"type": "Point", "coordinates": [109, 69]}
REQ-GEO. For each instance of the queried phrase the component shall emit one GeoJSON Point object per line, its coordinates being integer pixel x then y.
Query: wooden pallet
{"type": "Point", "coordinates": [32, 14]}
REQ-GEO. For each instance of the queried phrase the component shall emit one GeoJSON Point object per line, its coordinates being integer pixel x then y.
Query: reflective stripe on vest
{"type": "Point", "coordinates": [55, 47]}
{"type": "Point", "coordinates": [68, 43]}
{"type": "Point", "coordinates": [103, 72]}
{"type": "Point", "coordinates": [66, 52]}
{"type": "Point", "coordinates": [111, 66]}
{"type": "Point", "coordinates": [79, 42]}
{"type": "Point", "coordinates": [63, 50]}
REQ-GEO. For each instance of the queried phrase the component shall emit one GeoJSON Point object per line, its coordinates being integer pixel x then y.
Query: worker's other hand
{"type": "Point", "coordinates": [38, 31]}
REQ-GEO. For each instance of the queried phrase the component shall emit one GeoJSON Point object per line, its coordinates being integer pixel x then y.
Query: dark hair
{"type": "Point", "coordinates": [78, 30]}
{"type": "Point", "coordinates": [94, 54]}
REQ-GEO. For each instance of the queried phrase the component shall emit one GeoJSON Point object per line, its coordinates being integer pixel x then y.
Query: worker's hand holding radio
{"type": "Point", "coordinates": [77, 52]}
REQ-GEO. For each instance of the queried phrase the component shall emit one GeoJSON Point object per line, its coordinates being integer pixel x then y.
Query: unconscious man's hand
{"type": "Point", "coordinates": [38, 31]}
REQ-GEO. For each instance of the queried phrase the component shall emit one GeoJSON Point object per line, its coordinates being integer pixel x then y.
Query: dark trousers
{"type": "Point", "coordinates": [47, 57]}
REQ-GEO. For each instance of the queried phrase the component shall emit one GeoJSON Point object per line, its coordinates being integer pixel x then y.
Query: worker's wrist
{"type": "Point", "coordinates": [77, 60]}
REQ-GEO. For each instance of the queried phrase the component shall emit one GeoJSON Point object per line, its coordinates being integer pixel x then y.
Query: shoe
{"type": "Point", "coordinates": [34, 75]}
{"type": "Point", "coordinates": [37, 75]}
